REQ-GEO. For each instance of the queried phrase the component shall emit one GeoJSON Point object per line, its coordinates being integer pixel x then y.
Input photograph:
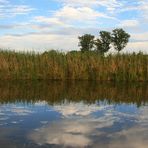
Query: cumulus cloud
{"type": "Point", "coordinates": [68, 16]}
{"type": "Point", "coordinates": [80, 13]}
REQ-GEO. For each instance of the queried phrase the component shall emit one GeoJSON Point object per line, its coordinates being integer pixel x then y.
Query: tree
{"type": "Point", "coordinates": [103, 43]}
{"type": "Point", "coordinates": [98, 45]}
{"type": "Point", "coordinates": [86, 42]}
{"type": "Point", "coordinates": [120, 39]}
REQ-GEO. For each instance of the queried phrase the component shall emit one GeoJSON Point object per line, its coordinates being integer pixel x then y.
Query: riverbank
{"type": "Point", "coordinates": [74, 65]}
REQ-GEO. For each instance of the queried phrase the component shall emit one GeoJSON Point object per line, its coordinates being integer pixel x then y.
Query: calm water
{"type": "Point", "coordinates": [80, 114]}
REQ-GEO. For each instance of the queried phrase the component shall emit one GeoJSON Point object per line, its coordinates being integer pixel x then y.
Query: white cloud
{"type": "Point", "coordinates": [109, 4]}
{"type": "Point", "coordinates": [20, 9]}
{"type": "Point", "coordinates": [140, 36]}
{"type": "Point", "coordinates": [143, 7]}
{"type": "Point", "coordinates": [79, 14]}
{"type": "Point", "coordinates": [69, 16]}
{"type": "Point", "coordinates": [139, 6]}
{"type": "Point", "coordinates": [48, 20]}
{"type": "Point", "coordinates": [137, 46]}
{"type": "Point", "coordinates": [129, 23]}
{"type": "Point", "coordinates": [9, 10]}
{"type": "Point", "coordinates": [39, 42]}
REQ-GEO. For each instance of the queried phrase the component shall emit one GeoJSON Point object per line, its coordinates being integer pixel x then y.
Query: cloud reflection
{"type": "Point", "coordinates": [77, 109]}
{"type": "Point", "coordinates": [134, 137]}
{"type": "Point", "coordinates": [67, 133]}
{"type": "Point", "coordinates": [10, 112]}
{"type": "Point", "coordinates": [77, 131]}
{"type": "Point", "coordinates": [82, 125]}
{"type": "Point", "coordinates": [79, 127]}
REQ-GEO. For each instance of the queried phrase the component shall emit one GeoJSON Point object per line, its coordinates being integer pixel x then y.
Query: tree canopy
{"type": "Point", "coordinates": [86, 42]}
{"type": "Point", "coordinates": [118, 38]}
{"type": "Point", "coordinates": [103, 43]}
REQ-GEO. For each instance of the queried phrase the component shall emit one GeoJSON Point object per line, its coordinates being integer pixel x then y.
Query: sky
{"type": "Point", "coordinates": [41, 25]}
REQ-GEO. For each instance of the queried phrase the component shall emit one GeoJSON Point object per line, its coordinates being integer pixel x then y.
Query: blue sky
{"type": "Point", "coordinates": [45, 24]}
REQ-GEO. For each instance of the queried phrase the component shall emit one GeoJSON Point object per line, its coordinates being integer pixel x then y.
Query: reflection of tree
{"type": "Point", "coordinates": [57, 92]}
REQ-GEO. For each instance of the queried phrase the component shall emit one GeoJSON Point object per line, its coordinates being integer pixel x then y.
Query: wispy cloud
{"type": "Point", "coordinates": [109, 4]}
{"type": "Point", "coordinates": [7, 9]}
{"type": "Point", "coordinates": [129, 23]}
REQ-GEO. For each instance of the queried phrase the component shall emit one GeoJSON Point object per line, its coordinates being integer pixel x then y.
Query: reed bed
{"type": "Point", "coordinates": [55, 65]}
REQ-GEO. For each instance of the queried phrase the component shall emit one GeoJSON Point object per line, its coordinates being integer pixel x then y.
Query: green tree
{"type": "Point", "coordinates": [120, 39]}
{"type": "Point", "coordinates": [86, 42]}
{"type": "Point", "coordinates": [103, 43]}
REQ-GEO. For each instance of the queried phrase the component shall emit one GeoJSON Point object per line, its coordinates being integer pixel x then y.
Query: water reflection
{"type": "Point", "coordinates": [88, 92]}
{"type": "Point", "coordinates": [78, 114]}
{"type": "Point", "coordinates": [75, 128]}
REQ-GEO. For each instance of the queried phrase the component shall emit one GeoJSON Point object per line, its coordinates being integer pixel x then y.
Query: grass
{"type": "Point", "coordinates": [74, 65]}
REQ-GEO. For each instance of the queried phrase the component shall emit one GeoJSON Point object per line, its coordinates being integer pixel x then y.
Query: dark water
{"type": "Point", "coordinates": [78, 114]}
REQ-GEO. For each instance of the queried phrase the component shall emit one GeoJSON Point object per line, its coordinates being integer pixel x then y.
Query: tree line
{"type": "Point", "coordinates": [118, 38]}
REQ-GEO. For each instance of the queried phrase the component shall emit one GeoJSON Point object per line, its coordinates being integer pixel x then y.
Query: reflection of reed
{"type": "Point", "coordinates": [56, 92]}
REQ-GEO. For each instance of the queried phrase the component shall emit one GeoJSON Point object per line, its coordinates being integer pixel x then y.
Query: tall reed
{"type": "Point", "coordinates": [73, 66]}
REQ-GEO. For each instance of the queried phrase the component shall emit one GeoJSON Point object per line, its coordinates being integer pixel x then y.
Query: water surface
{"type": "Point", "coordinates": [79, 114]}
